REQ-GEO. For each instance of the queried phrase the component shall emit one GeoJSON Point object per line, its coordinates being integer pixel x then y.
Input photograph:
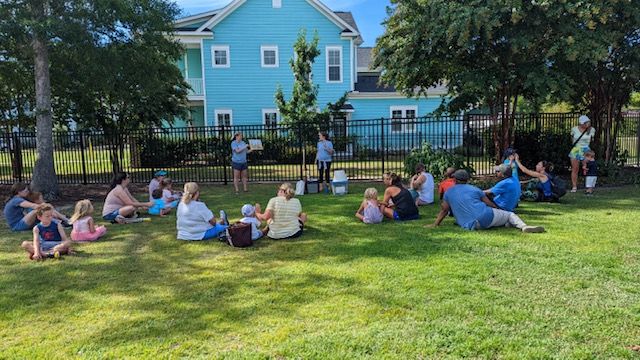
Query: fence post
{"type": "Point", "coordinates": [17, 156]}
{"type": "Point", "coordinates": [382, 144]}
{"type": "Point", "coordinates": [224, 157]}
{"type": "Point", "coordinates": [638, 141]}
{"type": "Point", "coordinates": [84, 163]}
{"type": "Point", "coordinates": [302, 153]}
{"type": "Point", "coordinates": [466, 125]}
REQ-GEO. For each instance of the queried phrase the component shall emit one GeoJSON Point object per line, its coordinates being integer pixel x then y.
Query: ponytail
{"type": "Point", "coordinates": [190, 191]}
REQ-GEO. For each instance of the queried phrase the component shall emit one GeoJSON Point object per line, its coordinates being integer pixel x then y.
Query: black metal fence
{"type": "Point", "coordinates": [364, 148]}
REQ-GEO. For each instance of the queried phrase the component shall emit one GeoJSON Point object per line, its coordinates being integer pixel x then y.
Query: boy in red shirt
{"type": "Point", "coordinates": [448, 182]}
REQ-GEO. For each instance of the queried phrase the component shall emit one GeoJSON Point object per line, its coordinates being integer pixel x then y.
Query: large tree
{"type": "Point", "coordinates": [488, 53]}
{"type": "Point", "coordinates": [599, 57]}
{"type": "Point", "coordinates": [64, 37]}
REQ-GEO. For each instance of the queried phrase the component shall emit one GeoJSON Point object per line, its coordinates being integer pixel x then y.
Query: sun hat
{"type": "Point", "coordinates": [247, 210]}
{"type": "Point", "coordinates": [160, 173]}
{"type": "Point", "coordinates": [461, 175]}
{"type": "Point", "coordinates": [583, 119]}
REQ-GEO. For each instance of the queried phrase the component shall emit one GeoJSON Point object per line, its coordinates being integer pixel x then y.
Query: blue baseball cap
{"type": "Point", "coordinates": [160, 173]}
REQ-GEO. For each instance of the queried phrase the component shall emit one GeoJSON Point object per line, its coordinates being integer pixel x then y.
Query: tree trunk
{"type": "Point", "coordinates": [44, 177]}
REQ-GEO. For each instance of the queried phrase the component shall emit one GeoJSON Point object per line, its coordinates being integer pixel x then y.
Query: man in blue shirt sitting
{"type": "Point", "coordinates": [474, 211]}
{"type": "Point", "coordinates": [506, 193]}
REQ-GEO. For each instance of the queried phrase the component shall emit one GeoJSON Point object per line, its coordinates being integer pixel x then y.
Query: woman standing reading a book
{"type": "Point", "coordinates": [239, 151]}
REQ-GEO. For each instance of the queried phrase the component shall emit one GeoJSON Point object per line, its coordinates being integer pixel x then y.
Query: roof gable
{"type": "Point", "coordinates": [343, 20]}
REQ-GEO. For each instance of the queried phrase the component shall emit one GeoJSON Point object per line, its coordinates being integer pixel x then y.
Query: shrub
{"type": "Point", "coordinates": [436, 161]}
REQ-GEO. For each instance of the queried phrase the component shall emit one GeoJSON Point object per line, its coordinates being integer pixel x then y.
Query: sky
{"type": "Point", "coordinates": [369, 14]}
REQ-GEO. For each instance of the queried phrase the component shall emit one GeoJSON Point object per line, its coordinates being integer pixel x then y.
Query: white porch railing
{"type": "Point", "coordinates": [197, 87]}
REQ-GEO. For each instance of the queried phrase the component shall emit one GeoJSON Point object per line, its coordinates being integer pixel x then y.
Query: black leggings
{"type": "Point", "coordinates": [323, 172]}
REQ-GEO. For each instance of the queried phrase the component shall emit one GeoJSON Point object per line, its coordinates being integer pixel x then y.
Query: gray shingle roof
{"type": "Point", "coordinates": [364, 57]}
{"type": "Point", "coordinates": [347, 17]}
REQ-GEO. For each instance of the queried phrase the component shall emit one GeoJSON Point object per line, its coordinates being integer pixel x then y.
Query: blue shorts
{"type": "Point", "coordinates": [111, 216]}
{"type": "Point", "coordinates": [22, 226]}
{"type": "Point", "coordinates": [214, 231]}
{"type": "Point", "coordinates": [396, 217]}
{"type": "Point", "coordinates": [48, 245]}
{"type": "Point", "coordinates": [239, 166]}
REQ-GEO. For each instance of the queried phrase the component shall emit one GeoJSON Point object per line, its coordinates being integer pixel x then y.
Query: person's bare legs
{"type": "Point", "coordinates": [575, 167]}
{"type": "Point", "coordinates": [387, 212]}
{"type": "Point", "coordinates": [127, 211]}
{"type": "Point", "coordinates": [30, 218]}
{"type": "Point", "coordinates": [28, 247]}
{"type": "Point", "coordinates": [64, 248]}
{"type": "Point", "coordinates": [236, 179]}
{"type": "Point", "coordinates": [245, 180]}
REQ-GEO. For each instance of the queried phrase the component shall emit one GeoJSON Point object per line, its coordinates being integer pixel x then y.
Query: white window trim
{"type": "Point", "coordinates": [217, 112]}
{"type": "Point", "coordinates": [277, 4]}
{"type": "Point", "coordinates": [263, 48]}
{"type": "Point", "coordinates": [327, 49]}
{"type": "Point", "coordinates": [213, 56]}
{"type": "Point", "coordinates": [269, 111]}
{"type": "Point", "coordinates": [403, 109]}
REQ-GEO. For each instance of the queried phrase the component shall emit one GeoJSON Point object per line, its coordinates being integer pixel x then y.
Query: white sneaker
{"type": "Point", "coordinates": [532, 229]}
{"type": "Point", "coordinates": [574, 190]}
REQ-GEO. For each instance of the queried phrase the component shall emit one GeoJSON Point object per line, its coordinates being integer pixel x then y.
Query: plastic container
{"type": "Point", "coordinates": [312, 186]}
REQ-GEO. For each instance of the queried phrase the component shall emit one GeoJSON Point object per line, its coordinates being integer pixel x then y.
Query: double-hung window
{"type": "Point", "coordinates": [403, 118]}
{"type": "Point", "coordinates": [224, 117]}
{"type": "Point", "coordinates": [220, 56]}
{"type": "Point", "coordinates": [269, 56]}
{"type": "Point", "coordinates": [270, 119]}
{"type": "Point", "coordinates": [334, 64]}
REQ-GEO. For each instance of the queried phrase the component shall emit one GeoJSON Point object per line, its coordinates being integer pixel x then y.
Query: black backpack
{"type": "Point", "coordinates": [558, 187]}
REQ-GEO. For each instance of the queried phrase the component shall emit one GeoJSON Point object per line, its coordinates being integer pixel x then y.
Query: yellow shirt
{"type": "Point", "coordinates": [284, 222]}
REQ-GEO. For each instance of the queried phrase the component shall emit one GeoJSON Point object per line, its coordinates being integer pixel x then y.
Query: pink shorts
{"type": "Point", "coordinates": [87, 236]}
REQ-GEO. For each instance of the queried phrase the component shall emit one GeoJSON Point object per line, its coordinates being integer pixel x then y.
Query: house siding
{"type": "Point", "coordinates": [194, 64]}
{"type": "Point", "coordinates": [246, 87]}
{"type": "Point", "coordinates": [440, 133]}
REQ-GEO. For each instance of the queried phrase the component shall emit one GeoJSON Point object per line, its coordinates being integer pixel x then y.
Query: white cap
{"type": "Point", "coordinates": [583, 119]}
{"type": "Point", "coordinates": [247, 210]}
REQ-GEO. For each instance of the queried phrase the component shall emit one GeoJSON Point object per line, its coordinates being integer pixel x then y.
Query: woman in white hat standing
{"type": "Point", "coordinates": [582, 135]}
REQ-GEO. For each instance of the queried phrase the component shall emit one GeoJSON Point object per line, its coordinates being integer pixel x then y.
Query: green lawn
{"type": "Point", "coordinates": [344, 290]}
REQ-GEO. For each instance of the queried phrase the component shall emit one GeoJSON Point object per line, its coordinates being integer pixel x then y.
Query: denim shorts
{"type": "Point", "coordinates": [397, 217]}
{"type": "Point", "coordinates": [239, 166]}
{"type": "Point", "coordinates": [22, 226]}
{"type": "Point", "coordinates": [111, 216]}
{"type": "Point", "coordinates": [48, 245]}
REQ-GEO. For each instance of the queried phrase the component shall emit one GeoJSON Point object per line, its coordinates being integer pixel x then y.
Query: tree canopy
{"type": "Point", "coordinates": [103, 63]}
{"type": "Point", "coordinates": [491, 53]}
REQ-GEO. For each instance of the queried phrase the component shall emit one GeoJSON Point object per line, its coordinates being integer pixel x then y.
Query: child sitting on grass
{"type": "Point", "coordinates": [160, 207]}
{"type": "Point", "coordinates": [249, 217]}
{"type": "Point", "coordinates": [369, 210]}
{"type": "Point", "coordinates": [590, 171]}
{"type": "Point", "coordinates": [84, 229]}
{"type": "Point", "coordinates": [170, 197]}
{"type": "Point", "coordinates": [49, 238]}
{"type": "Point", "coordinates": [154, 184]}
{"type": "Point", "coordinates": [447, 183]}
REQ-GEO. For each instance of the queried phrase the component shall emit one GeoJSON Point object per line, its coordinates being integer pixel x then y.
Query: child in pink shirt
{"type": "Point", "coordinates": [84, 228]}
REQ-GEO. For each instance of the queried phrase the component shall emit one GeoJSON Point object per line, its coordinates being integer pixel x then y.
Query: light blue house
{"type": "Point", "coordinates": [237, 56]}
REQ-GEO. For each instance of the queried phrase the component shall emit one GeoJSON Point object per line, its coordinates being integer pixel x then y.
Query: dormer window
{"type": "Point", "coordinates": [277, 4]}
